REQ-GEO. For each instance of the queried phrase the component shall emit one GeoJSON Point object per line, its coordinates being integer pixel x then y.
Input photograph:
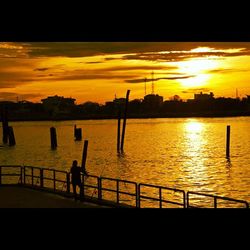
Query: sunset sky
{"type": "Point", "coordinates": [97, 71]}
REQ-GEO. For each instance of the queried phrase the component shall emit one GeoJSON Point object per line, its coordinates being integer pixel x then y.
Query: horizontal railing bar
{"type": "Point", "coordinates": [11, 166]}
{"type": "Point", "coordinates": [45, 178]}
{"type": "Point", "coordinates": [93, 176]}
{"type": "Point", "coordinates": [120, 180]}
{"type": "Point", "coordinates": [162, 187]}
{"type": "Point", "coordinates": [120, 192]}
{"type": "Point", "coordinates": [114, 190]}
{"type": "Point", "coordinates": [165, 201]}
{"type": "Point", "coordinates": [195, 207]}
{"type": "Point", "coordinates": [47, 169]}
{"type": "Point", "coordinates": [11, 174]}
{"type": "Point", "coordinates": [34, 176]}
{"type": "Point", "coordinates": [218, 197]}
{"type": "Point", "coordinates": [90, 186]}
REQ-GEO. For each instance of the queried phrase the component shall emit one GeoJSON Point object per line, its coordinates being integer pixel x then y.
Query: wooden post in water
{"type": "Point", "coordinates": [118, 130]}
{"type": "Point", "coordinates": [84, 154]}
{"type": "Point", "coordinates": [5, 126]}
{"type": "Point", "coordinates": [53, 139]}
{"type": "Point", "coordinates": [12, 141]}
{"type": "Point", "coordinates": [78, 136]}
{"type": "Point", "coordinates": [77, 133]}
{"type": "Point", "coordinates": [74, 131]}
{"type": "Point", "coordinates": [124, 120]}
{"type": "Point", "coordinates": [228, 142]}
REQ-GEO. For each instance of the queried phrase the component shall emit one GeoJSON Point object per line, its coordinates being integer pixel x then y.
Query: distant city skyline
{"type": "Point", "coordinates": [99, 71]}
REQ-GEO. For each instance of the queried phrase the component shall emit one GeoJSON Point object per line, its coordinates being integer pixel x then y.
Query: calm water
{"type": "Point", "coordinates": [185, 153]}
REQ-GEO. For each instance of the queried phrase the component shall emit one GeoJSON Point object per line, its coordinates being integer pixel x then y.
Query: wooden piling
{"type": "Point", "coordinates": [118, 130]}
{"type": "Point", "coordinates": [228, 142]}
{"type": "Point", "coordinates": [84, 154]}
{"type": "Point", "coordinates": [5, 126]}
{"type": "Point", "coordinates": [78, 134]}
{"type": "Point", "coordinates": [124, 120]}
{"type": "Point", "coordinates": [53, 138]}
{"type": "Point", "coordinates": [74, 131]}
{"type": "Point", "coordinates": [12, 141]}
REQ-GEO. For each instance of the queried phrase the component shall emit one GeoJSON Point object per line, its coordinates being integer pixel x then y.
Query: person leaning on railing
{"type": "Point", "coordinates": [76, 177]}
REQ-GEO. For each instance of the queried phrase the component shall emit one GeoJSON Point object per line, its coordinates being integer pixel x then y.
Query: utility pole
{"type": "Point", "coordinates": [152, 82]}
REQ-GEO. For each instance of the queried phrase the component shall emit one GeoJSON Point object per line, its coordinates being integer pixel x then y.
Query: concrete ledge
{"type": "Point", "coordinates": [20, 197]}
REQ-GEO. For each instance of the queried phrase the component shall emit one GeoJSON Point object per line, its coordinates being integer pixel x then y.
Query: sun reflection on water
{"type": "Point", "coordinates": [194, 147]}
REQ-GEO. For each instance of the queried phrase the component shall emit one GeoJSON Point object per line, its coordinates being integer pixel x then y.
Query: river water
{"type": "Point", "coordinates": [184, 153]}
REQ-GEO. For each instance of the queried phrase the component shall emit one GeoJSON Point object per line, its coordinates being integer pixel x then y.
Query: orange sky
{"type": "Point", "coordinates": [97, 71]}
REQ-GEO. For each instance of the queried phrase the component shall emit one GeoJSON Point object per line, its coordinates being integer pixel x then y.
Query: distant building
{"type": "Point", "coordinates": [58, 104]}
{"type": "Point", "coordinates": [203, 97]}
{"type": "Point", "coordinates": [154, 100]}
{"type": "Point", "coordinates": [55, 100]}
{"type": "Point", "coordinates": [119, 100]}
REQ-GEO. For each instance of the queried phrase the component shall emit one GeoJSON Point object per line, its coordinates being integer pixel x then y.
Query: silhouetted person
{"type": "Point", "coordinates": [76, 177]}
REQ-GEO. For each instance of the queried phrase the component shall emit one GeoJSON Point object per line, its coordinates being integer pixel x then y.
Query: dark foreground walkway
{"type": "Point", "coordinates": [19, 197]}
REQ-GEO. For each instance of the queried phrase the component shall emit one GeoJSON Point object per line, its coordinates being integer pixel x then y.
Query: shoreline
{"type": "Point", "coordinates": [151, 116]}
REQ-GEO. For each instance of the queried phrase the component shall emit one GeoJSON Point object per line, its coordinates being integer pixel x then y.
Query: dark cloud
{"type": "Point", "coordinates": [84, 49]}
{"type": "Point", "coordinates": [157, 79]}
{"type": "Point", "coordinates": [140, 67]}
{"type": "Point", "coordinates": [96, 62]}
{"type": "Point", "coordinates": [180, 56]}
{"type": "Point", "coordinates": [215, 71]}
{"type": "Point", "coordinates": [13, 96]}
{"type": "Point", "coordinates": [111, 58]}
{"type": "Point", "coordinates": [108, 73]}
{"type": "Point", "coordinates": [195, 90]}
{"type": "Point", "coordinates": [89, 76]}
{"type": "Point", "coordinates": [41, 69]}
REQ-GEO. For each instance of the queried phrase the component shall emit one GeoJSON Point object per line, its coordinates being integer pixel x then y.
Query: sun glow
{"type": "Point", "coordinates": [198, 68]}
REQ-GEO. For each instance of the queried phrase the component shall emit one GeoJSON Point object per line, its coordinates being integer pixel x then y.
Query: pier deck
{"type": "Point", "coordinates": [21, 197]}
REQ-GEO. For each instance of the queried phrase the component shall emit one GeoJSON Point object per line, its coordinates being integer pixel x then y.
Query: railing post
{"type": "Point", "coordinates": [21, 175]}
{"type": "Point", "coordinates": [160, 197]}
{"type": "Point", "coordinates": [0, 175]}
{"type": "Point", "coordinates": [24, 175]}
{"type": "Point", "coordinates": [99, 188]}
{"type": "Point", "coordinates": [184, 199]}
{"type": "Point", "coordinates": [215, 202]}
{"type": "Point", "coordinates": [138, 197]}
{"type": "Point", "coordinates": [117, 191]}
{"type": "Point", "coordinates": [68, 182]}
{"type": "Point", "coordinates": [32, 174]}
{"type": "Point", "coordinates": [41, 177]}
{"type": "Point", "coordinates": [82, 188]}
{"type": "Point", "coordinates": [54, 179]}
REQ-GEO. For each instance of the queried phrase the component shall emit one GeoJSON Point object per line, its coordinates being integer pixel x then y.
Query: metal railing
{"type": "Point", "coordinates": [47, 178]}
{"type": "Point", "coordinates": [12, 173]}
{"type": "Point", "coordinates": [117, 190]}
{"type": "Point", "coordinates": [41, 177]}
{"type": "Point", "coordinates": [160, 199]}
{"type": "Point", "coordinates": [215, 199]}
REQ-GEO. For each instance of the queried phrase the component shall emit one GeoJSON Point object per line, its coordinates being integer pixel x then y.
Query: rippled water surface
{"type": "Point", "coordinates": [184, 153]}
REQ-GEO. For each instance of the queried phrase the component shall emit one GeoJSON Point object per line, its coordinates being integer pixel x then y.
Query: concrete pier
{"type": "Point", "coordinates": [21, 197]}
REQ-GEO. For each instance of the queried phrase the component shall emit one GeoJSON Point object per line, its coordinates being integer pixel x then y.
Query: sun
{"type": "Point", "coordinates": [198, 69]}
{"type": "Point", "coordinates": [197, 66]}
